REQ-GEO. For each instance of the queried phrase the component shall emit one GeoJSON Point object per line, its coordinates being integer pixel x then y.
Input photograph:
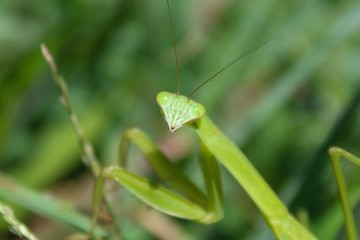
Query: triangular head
{"type": "Point", "coordinates": [179, 110]}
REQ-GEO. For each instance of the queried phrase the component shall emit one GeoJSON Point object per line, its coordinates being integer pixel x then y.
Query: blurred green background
{"type": "Point", "coordinates": [284, 105]}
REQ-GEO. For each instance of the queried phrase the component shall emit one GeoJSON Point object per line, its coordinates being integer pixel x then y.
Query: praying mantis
{"type": "Point", "coordinates": [191, 203]}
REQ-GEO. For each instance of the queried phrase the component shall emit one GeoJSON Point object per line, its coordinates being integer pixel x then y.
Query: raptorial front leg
{"type": "Point", "coordinates": [212, 179]}
{"type": "Point", "coordinates": [195, 205]}
{"type": "Point", "coordinates": [149, 192]}
{"type": "Point", "coordinates": [164, 168]}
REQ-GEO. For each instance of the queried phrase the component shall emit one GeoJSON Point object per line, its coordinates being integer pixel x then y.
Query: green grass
{"type": "Point", "coordinates": [284, 105]}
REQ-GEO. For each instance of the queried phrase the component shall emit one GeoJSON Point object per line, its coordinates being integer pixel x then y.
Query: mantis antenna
{"type": "Point", "coordinates": [175, 52]}
{"type": "Point", "coordinates": [245, 54]}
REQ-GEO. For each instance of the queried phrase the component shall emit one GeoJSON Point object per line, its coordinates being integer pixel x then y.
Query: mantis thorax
{"type": "Point", "coordinates": [179, 110]}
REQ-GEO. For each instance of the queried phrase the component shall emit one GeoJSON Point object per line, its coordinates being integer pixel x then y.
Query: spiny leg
{"type": "Point", "coordinates": [212, 178]}
{"type": "Point", "coordinates": [198, 207]}
{"type": "Point", "coordinates": [166, 169]}
{"type": "Point", "coordinates": [336, 154]}
{"type": "Point", "coordinates": [171, 174]}
{"type": "Point", "coordinates": [151, 193]}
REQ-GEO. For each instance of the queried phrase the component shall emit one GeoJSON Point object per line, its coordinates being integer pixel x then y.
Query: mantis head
{"type": "Point", "coordinates": [179, 110]}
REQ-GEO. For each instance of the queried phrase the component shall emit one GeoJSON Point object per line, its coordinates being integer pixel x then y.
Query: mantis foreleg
{"type": "Point", "coordinates": [165, 168]}
{"type": "Point", "coordinates": [197, 206]}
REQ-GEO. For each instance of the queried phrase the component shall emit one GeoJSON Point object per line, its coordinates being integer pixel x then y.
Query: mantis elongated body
{"type": "Point", "coordinates": [208, 208]}
{"type": "Point", "coordinates": [189, 202]}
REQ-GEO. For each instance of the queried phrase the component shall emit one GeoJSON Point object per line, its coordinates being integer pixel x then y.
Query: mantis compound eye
{"type": "Point", "coordinates": [179, 110]}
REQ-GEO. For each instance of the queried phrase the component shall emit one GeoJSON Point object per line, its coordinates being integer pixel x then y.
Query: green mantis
{"type": "Point", "coordinates": [189, 202]}
{"type": "Point", "coordinates": [207, 208]}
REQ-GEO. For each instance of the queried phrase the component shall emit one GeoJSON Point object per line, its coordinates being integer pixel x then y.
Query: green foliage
{"type": "Point", "coordinates": [15, 226]}
{"type": "Point", "coordinates": [284, 105]}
